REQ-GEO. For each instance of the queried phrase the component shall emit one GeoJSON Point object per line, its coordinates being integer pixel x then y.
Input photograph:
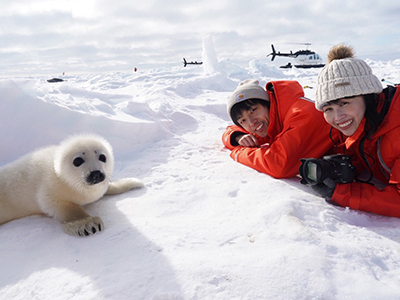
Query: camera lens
{"type": "Point", "coordinates": [312, 171]}
{"type": "Point", "coordinates": [336, 167]}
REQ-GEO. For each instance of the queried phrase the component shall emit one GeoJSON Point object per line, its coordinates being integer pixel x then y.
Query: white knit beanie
{"type": "Point", "coordinates": [247, 89]}
{"type": "Point", "coordinates": [344, 76]}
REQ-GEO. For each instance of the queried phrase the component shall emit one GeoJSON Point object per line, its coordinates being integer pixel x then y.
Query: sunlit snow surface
{"type": "Point", "coordinates": [204, 227]}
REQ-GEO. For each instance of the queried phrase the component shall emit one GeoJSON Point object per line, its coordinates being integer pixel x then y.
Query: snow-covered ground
{"type": "Point", "coordinates": [204, 226]}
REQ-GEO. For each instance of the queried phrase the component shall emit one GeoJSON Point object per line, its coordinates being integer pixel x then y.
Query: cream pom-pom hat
{"type": "Point", "coordinates": [344, 76]}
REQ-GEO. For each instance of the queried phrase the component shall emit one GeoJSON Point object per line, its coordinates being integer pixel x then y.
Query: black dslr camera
{"type": "Point", "coordinates": [337, 167]}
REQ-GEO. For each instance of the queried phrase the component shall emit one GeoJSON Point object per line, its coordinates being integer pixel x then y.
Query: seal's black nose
{"type": "Point", "coordinates": [95, 177]}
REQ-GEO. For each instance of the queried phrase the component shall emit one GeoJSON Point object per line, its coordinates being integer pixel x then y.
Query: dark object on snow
{"type": "Point", "coordinates": [185, 63]}
{"type": "Point", "coordinates": [288, 66]}
{"type": "Point", "coordinates": [55, 80]}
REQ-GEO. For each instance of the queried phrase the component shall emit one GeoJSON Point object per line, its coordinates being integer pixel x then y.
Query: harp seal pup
{"type": "Point", "coordinates": [58, 180]}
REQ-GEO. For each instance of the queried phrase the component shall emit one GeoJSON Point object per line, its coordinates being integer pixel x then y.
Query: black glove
{"type": "Point", "coordinates": [325, 188]}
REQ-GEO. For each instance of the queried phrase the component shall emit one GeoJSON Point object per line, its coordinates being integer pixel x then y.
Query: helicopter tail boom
{"type": "Point", "coordinates": [274, 53]}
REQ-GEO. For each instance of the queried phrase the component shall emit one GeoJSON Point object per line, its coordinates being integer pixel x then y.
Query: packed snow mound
{"type": "Point", "coordinates": [48, 115]}
{"type": "Point", "coordinates": [258, 67]}
{"type": "Point", "coordinates": [204, 227]}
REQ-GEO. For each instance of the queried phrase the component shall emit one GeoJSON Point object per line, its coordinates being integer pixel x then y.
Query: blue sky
{"type": "Point", "coordinates": [51, 37]}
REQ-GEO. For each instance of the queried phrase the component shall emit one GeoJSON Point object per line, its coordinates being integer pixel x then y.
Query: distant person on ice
{"type": "Point", "coordinates": [274, 127]}
{"type": "Point", "coordinates": [354, 103]}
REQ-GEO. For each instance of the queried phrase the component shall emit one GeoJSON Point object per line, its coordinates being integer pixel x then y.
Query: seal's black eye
{"type": "Point", "coordinates": [102, 158]}
{"type": "Point", "coordinates": [78, 161]}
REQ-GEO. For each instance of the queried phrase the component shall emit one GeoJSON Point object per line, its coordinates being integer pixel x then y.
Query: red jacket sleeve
{"type": "Point", "coordinates": [305, 133]}
{"type": "Point", "coordinates": [227, 135]}
{"type": "Point", "coordinates": [366, 197]}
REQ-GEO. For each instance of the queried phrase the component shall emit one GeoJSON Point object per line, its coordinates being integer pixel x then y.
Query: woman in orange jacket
{"type": "Point", "coordinates": [274, 127]}
{"type": "Point", "coordinates": [354, 103]}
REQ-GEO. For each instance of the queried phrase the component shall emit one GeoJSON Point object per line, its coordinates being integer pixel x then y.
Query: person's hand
{"type": "Point", "coordinates": [325, 188]}
{"type": "Point", "coordinates": [248, 140]}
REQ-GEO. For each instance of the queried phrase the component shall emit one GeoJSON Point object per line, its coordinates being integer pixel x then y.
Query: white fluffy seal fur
{"type": "Point", "coordinates": [58, 180]}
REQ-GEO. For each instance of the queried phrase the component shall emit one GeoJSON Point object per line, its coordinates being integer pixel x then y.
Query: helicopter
{"type": "Point", "coordinates": [185, 63]}
{"type": "Point", "coordinates": [303, 58]}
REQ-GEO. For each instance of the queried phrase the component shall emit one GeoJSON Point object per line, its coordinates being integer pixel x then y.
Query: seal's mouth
{"type": "Point", "coordinates": [95, 177]}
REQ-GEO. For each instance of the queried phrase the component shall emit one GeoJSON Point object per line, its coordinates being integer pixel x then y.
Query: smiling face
{"type": "Point", "coordinates": [255, 119]}
{"type": "Point", "coordinates": [345, 114]}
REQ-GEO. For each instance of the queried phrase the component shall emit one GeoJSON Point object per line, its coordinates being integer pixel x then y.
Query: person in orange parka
{"type": "Point", "coordinates": [275, 127]}
{"type": "Point", "coordinates": [354, 102]}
